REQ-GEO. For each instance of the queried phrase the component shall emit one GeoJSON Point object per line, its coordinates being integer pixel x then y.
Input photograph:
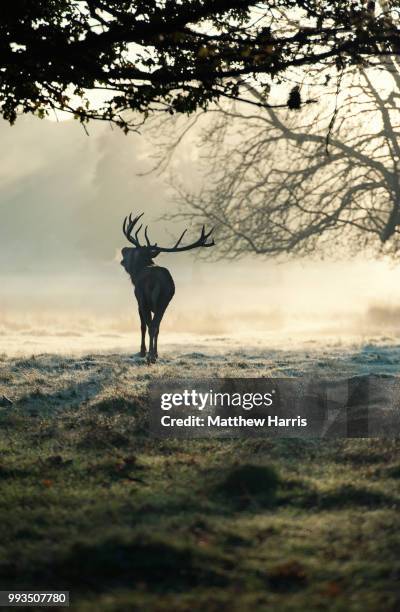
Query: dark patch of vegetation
{"type": "Point", "coordinates": [288, 576]}
{"type": "Point", "coordinates": [117, 561]}
{"type": "Point", "coordinates": [12, 472]}
{"type": "Point", "coordinates": [347, 496]}
{"type": "Point", "coordinates": [249, 483]}
{"type": "Point", "coordinates": [102, 437]}
{"type": "Point", "coordinates": [393, 471]}
{"type": "Point", "coordinates": [117, 405]}
{"type": "Point", "coordinates": [366, 457]}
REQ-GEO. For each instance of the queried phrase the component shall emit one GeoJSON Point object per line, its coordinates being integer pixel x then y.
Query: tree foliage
{"type": "Point", "coordinates": [101, 58]}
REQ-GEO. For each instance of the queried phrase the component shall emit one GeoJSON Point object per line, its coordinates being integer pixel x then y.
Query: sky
{"type": "Point", "coordinates": [63, 196]}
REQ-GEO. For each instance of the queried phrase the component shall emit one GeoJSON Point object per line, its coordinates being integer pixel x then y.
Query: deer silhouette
{"type": "Point", "coordinates": [154, 285]}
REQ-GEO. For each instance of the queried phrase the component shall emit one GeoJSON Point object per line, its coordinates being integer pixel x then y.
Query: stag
{"type": "Point", "coordinates": [154, 286]}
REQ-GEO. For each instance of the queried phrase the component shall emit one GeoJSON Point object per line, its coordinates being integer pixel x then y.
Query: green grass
{"type": "Point", "coordinates": [90, 503]}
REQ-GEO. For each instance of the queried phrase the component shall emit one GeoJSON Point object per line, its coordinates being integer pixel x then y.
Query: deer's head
{"type": "Point", "coordinates": [137, 257]}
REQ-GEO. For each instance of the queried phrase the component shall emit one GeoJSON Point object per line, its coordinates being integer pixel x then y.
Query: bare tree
{"type": "Point", "coordinates": [276, 183]}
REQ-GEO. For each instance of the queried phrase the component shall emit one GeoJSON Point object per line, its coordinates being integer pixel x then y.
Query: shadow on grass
{"type": "Point", "coordinates": [67, 397]}
{"type": "Point", "coordinates": [248, 484]}
{"type": "Point", "coordinates": [103, 436]}
{"type": "Point", "coordinates": [393, 471]}
{"type": "Point", "coordinates": [367, 457]}
{"type": "Point", "coordinates": [13, 472]}
{"type": "Point", "coordinates": [118, 405]}
{"type": "Point", "coordinates": [302, 495]}
{"type": "Point", "coordinates": [287, 577]}
{"type": "Point", "coordinates": [117, 562]}
{"type": "Point", "coordinates": [117, 422]}
{"type": "Point", "coordinates": [347, 496]}
{"type": "Point", "coordinates": [247, 487]}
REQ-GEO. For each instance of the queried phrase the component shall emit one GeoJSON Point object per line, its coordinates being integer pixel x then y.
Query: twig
{"type": "Point", "coordinates": [335, 111]}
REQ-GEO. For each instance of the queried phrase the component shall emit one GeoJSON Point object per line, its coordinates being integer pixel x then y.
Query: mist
{"type": "Point", "coordinates": [63, 197]}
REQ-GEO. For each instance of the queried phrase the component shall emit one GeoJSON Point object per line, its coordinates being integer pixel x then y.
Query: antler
{"type": "Point", "coordinates": [201, 242]}
{"type": "Point", "coordinates": [128, 226]}
{"type": "Point", "coordinates": [130, 223]}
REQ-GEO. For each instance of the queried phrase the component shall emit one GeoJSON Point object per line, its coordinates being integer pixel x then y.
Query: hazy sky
{"type": "Point", "coordinates": [62, 199]}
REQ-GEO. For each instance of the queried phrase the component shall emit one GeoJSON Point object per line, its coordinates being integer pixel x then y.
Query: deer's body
{"type": "Point", "coordinates": [154, 285]}
{"type": "Point", "coordinates": [154, 289]}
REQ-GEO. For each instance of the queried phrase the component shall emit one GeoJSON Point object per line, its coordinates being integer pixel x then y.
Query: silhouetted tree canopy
{"type": "Point", "coordinates": [174, 55]}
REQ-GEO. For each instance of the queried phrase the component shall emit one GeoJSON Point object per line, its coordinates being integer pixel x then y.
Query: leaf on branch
{"type": "Point", "coordinates": [203, 52]}
{"type": "Point", "coordinates": [269, 49]}
{"type": "Point", "coordinates": [246, 52]}
{"type": "Point", "coordinates": [294, 100]}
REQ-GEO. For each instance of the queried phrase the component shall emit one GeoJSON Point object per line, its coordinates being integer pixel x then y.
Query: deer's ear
{"type": "Point", "coordinates": [155, 253]}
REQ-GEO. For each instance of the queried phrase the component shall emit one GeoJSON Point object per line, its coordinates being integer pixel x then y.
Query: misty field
{"type": "Point", "coordinates": [91, 503]}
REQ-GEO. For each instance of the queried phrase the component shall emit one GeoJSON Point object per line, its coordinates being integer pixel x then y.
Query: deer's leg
{"type": "Point", "coordinates": [156, 331]}
{"type": "Point", "coordinates": [145, 321]}
{"type": "Point", "coordinates": [151, 357]}
{"type": "Point", "coordinates": [155, 325]}
{"type": "Point", "coordinates": [143, 331]}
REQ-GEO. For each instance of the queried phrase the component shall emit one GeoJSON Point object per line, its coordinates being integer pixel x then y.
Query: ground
{"type": "Point", "coordinates": [90, 502]}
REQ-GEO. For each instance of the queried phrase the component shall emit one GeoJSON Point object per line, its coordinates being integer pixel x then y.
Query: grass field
{"type": "Point", "coordinates": [91, 503]}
